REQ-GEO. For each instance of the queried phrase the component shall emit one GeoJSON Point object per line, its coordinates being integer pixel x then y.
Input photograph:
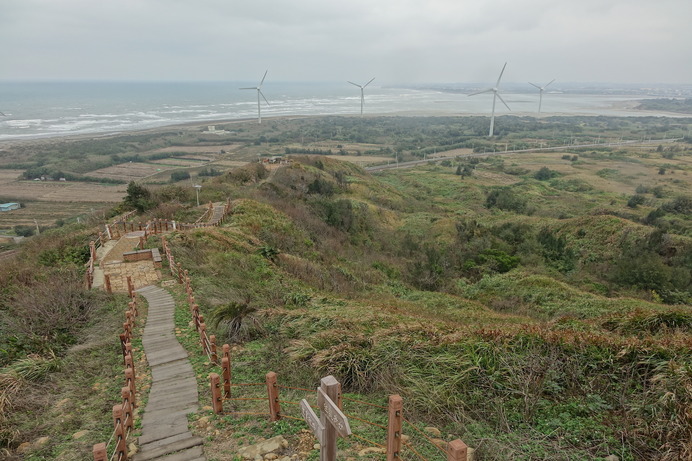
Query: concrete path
{"type": "Point", "coordinates": [173, 393]}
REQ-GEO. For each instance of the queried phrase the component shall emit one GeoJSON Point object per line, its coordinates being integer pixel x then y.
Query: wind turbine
{"type": "Point", "coordinates": [259, 92]}
{"type": "Point", "coordinates": [496, 94]}
{"type": "Point", "coordinates": [362, 94]}
{"type": "Point", "coordinates": [541, 88]}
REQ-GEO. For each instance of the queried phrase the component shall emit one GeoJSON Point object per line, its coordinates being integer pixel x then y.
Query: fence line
{"type": "Point", "coordinates": [396, 444]}
{"type": "Point", "coordinates": [221, 386]}
{"type": "Point", "coordinates": [123, 417]}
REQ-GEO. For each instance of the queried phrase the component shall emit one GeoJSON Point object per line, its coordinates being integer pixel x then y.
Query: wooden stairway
{"type": "Point", "coordinates": [173, 394]}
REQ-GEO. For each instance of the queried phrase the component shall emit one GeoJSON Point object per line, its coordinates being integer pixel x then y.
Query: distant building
{"type": "Point", "coordinates": [9, 206]}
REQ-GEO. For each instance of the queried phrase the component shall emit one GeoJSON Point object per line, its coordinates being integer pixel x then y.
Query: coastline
{"type": "Point", "coordinates": [68, 137]}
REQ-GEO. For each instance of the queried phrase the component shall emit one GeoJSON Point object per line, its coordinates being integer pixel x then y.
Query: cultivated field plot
{"type": "Point", "coordinates": [54, 191]}
{"type": "Point", "coordinates": [129, 171]}
{"type": "Point", "coordinates": [229, 163]}
{"type": "Point", "coordinates": [214, 149]}
{"type": "Point", "coordinates": [182, 161]}
{"type": "Point", "coordinates": [47, 213]}
{"type": "Point", "coordinates": [9, 176]}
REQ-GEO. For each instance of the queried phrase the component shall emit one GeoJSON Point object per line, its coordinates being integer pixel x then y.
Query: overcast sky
{"type": "Point", "coordinates": [324, 40]}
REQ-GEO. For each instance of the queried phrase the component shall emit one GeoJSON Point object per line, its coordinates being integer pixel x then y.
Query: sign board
{"type": "Point", "coordinates": [312, 420]}
{"type": "Point", "coordinates": [333, 414]}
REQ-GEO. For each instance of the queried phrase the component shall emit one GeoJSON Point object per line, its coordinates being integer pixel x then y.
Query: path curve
{"type": "Point", "coordinates": [173, 392]}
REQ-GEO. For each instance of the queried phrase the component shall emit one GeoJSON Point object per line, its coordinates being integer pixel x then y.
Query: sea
{"type": "Point", "coordinates": [52, 109]}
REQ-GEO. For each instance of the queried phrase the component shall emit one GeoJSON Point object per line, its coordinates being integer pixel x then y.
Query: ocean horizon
{"type": "Point", "coordinates": [53, 109]}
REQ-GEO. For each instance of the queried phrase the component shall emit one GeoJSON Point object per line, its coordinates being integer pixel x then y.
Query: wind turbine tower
{"type": "Point", "coordinates": [496, 94]}
{"type": "Point", "coordinates": [541, 89]}
{"type": "Point", "coordinates": [362, 94]}
{"type": "Point", "coordinates": [259, 92]}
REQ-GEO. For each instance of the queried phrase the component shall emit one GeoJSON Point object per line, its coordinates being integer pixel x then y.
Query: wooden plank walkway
{"type": "Point", "coordinates": [173, 393]}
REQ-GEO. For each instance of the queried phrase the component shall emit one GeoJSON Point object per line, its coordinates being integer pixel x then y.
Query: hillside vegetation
{"type": "Point", "coordinates": [532, 319]}
{"type": "Point", "coordinates": [535, 305]}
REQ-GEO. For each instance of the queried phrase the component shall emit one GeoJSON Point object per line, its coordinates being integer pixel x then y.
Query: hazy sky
{"type": "Point", "coordinates": [326, 40]}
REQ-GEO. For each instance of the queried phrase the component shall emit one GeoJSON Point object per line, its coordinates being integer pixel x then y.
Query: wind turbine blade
{"type": "Point", "coordinates": [248, 88]}
{"type": "Point", "coordinates": [503, 101]}
{"type": "Point", "coordinates": [546, 85]}
{"type": "Point", "coordinates": [265, 99]}
{"type": "Point", "coordinates": [355, 84]}
{"type": "Point", "coordinates": [500, 77]}
{"type": "Point", "coordinates": [265, 76]}
{"type": "Point", "coordinates": [3, 114]}
{"type": "Point", "coordinates": [481, 91]}
{"type": "Point", "coordinates": [369, 82]}
{"type": "Point", "coordinates": [536, 85]}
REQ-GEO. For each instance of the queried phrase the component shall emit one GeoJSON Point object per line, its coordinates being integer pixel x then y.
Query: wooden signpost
{"type": "Point", "coordinates": [331, 422]}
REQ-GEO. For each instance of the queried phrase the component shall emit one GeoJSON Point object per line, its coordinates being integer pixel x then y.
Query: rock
{"type": "Point", "coordinates": [262, 448]}
{"type": "Point", "coordinates": [612, 458]}
{"type": "Point", "coordinates": [317, 446]}
{"type": "Point", "coordinates": [41, 441]}
{"type": "Point", "coordinates": [79, 435]}
{"type": "Point", "coordinates": [371, 450]}
{"type": "Point", "coordinates": [132, 449]}
{"type": "Point", "coordinates": [435, 432]}
{"type": "Point", "coordinates": [23, 448]}
{"type": "Point", "coordinates": [440, 443]}
{"type": "Point", "coordinates": [271, 456]}
{"type": "Point", "coordinates": [405, 438]}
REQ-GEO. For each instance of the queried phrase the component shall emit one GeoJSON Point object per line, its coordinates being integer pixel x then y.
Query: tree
{"type": "Point", "coordinates": [545, 173]}
{"type": "Point", "coordinates": [636, 200]}
{"type": "Point", "coordinates": [138, 197]}
{"type": "Point", "coordinates": [180, 176]}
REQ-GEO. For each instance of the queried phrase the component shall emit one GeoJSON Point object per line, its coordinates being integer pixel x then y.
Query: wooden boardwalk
{"type": "Point", "coordinates": [173, 393]}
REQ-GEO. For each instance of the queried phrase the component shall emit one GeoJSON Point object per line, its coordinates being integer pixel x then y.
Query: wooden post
{"type": "Point", "coordinates": [203, 337]}
{"type": "Point", "coordinates": [273, 395]}
{"type": "Point", "coordinates": [212, 347]}
{"type": "Point", "coordinates": [130, 287]}
{"type": "Point", "coordinates": [180, 273]}
{"type": "Point", "coordinates": [216, 400]}
{"type": "Point", "coordinates": [120, 432]}
{"type": "Point", "coordinates": [396, 410]}
{"type": "Point", "coordinates": [330, 386]}
{"type": "Point", "coordinates": [108, 232]}
{"type": "Point", "coordinates": [129, 363]}
{"type": "Point", "coordinates": [226, 372]}
{"type": "Point", "coordinates": [107, 282]}
{"type": "Point", "coordinates": [127, 408]}
{"type": "Point", "coordinates": [457, 451]}
{"type": "Point", "coordinates": [102, 239]}
{"type": "Point", "coordinates": [130, 382]}
{"type": "Point", "coordinates": [99, 452]}
{"type": "Point", "coordinates": [123, 341]}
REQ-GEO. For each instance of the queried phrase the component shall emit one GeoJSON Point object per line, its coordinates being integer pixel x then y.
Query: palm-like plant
{"type": "Point", "coordinates": [236, 316]}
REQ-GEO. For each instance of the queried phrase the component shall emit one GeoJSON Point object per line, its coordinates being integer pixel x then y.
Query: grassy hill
{"type": "Point", "coordinates": [544, 333]}
{"type": "Point", "coordinates": [529, 303]}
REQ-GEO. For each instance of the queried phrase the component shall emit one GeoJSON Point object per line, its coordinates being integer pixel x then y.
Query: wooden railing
{"type": "Point", "coordinates": [123, 418]}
